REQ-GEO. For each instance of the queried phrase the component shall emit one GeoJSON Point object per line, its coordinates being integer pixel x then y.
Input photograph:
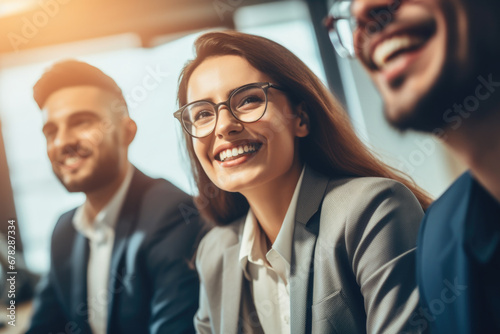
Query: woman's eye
{"type": "Point", "coordinates": [202, 115]}
{"type": "Point", "coordinates": [249, 100]}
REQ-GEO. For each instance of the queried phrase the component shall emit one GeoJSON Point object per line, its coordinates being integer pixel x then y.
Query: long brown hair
{"type": "Point", "coordinates": [331, 148]}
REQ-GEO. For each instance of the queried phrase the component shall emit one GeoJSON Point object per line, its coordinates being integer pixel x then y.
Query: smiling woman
{"type": "Point", "coordinates": [310, 222]}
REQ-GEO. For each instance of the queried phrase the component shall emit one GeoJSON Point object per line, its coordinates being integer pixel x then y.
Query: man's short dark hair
{"type": "Point", "coordinates": [71, 73]}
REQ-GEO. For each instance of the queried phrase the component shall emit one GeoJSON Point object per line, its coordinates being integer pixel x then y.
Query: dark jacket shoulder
{"type": "Point", "coordinates": [454, 195]}
{"type": "Point", "coordinates": [453, 203]}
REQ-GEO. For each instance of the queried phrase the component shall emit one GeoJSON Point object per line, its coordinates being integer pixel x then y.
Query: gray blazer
{"type": "Point", "coordinates": [353, 262]}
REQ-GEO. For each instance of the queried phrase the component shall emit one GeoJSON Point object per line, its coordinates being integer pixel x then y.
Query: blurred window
{"type": "Point", "coordinates": [148, 78]}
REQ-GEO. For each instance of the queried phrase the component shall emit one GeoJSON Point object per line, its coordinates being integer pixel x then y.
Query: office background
{"type": "Point", "coordinates": [143, 46]}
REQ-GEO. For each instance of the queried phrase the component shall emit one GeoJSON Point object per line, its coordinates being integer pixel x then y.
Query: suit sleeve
{"type": "Point", "coordinates": [202, 317]}
{"type": "Point", "coordinates": [172, 275]}
{"type": "Point", "coordinates": [382, 233]}
{"type": "Point", "coordinates": [48, 313]}
{"type": "Point", "coordinates": [48, 317]}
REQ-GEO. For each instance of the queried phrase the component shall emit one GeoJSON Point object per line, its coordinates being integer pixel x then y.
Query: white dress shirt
{"type": "Point", "coordinates": [269, 271]}
{"type": "Point", "coordinates": [101, 235]}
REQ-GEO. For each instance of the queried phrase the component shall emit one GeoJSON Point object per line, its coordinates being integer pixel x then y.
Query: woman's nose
{"type": "Point", "coordinates": [227, 124]}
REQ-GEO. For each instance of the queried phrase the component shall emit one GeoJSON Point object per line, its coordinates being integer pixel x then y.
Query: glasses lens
{"type": "Point", "coordinates": [249, 104]}
{"type": "Point", "coordinates": [344, 27]}
{"type": "Point", "coordinates": [345, 32]}
{"type": "Point", "coordinates": [199, 119]}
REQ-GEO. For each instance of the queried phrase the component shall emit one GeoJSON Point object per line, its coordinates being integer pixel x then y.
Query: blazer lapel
{"type": "Point", "coordinates": [304, 241]}
{"type": "Point", "coordinates": [232, 279]}
{"type": "Point", "coordinates": [125, 225]}
{"type": "Point", "coordinates": [79, 261]}
{"type": "Point", "coordinates": [115, 275]}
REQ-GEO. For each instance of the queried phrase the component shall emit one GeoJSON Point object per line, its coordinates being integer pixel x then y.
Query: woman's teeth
{"type": "Point", "coordinates": [386, 50]}
{"type": "Point", "coordinates": [236, 151]}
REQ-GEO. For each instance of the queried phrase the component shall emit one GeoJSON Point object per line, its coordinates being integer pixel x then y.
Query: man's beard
{"type": "Point", "coordinates": [433, 112]}
{"type": "Point", "coordinates": [102, 174]}
{"type": "Point", "coordinates": [458, 81]}
{"type": "Point", "coordinates": [427, 113]}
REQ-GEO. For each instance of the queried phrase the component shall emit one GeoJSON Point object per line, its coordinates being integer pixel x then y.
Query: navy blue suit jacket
{"type": "Point", "coordinates": [152, 287]}
{"type": "Point", "coordinates": [458, 261]}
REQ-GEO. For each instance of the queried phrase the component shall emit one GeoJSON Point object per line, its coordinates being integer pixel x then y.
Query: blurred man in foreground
{"type": "Point", "coordinates": [120, 261]}
{"type": "Point", "coordinates": [436, 65]}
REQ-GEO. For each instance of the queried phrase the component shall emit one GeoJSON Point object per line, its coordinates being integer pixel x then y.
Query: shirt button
{"type": "Point", "coordinates": [287, 319]}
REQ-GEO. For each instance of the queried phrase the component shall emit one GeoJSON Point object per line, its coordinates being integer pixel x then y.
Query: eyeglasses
{"type": "Point", "coordinates": [341, 26]}
{"type": "Point", "coordinates": [247, 104]}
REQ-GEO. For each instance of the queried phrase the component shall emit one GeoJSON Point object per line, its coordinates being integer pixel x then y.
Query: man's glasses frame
{"type": "Point", "coordinates": [341, 25]}
{"type": "Point", "coordinates": [262, 85]}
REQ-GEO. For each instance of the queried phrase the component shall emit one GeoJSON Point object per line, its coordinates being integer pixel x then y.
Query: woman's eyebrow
{"type": "Point", "coordinates": [232, 90]}
{"type": "Point", "coordinates": [228, 93]}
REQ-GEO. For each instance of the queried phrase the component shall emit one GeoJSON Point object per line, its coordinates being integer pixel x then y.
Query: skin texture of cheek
{"type": "Point", "coordinates": [201, 149]}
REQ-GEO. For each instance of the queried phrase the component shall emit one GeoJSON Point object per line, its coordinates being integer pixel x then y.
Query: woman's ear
{"type": "Point", "coordinates": [302, 121]}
